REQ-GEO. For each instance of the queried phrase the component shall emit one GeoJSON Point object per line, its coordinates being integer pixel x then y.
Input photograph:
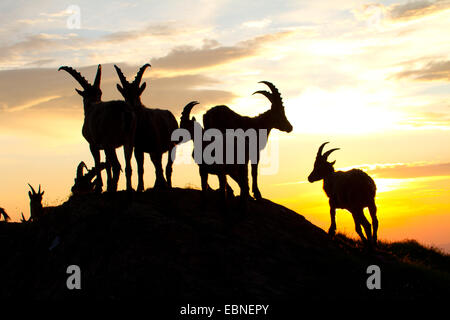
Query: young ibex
{"type": "Point", "coordinates": [153, 131]}
{"type": "Point", "coordinates": [37, 211]}
{"type": "Point", "coordinates": [83, 183]}
{"type": "Point", "coordinates": [222, 118]}
{"type": "Point", "coordinates": [352, 190]}
{"type": "Point", "coordinates": [4, 214]}
{"type": "Point", "coordinates": [235, 171]}
{"type": "Point", "coordinates": [107, 126]}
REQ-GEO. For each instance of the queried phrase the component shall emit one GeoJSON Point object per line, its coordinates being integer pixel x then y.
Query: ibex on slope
{"type": "Point", "coordinates": [222, 118]}
{"type": "Point", "coordinates": [352, 190]}
{"type": "Point", "coordinates": [4, 214]}
{"type": "Point", "coordinates": [237, 172]}
{"type": "Point", "coordinates": [107, 126]}
{"type": "Point", "coordinates": [83, 183]}
{"type": "Point", "coordinates": [153, 131]}
{"type": "Point", "coordinates": [37, 211]}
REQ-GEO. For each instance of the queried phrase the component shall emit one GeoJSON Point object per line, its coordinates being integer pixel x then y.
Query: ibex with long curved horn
{"type": "Point", "coordinates": [153, 131]}
{"type": "Point", "coordinates": [235, 171]}
{"type": "Point", "coordinates": [352, 190]}
{"type": "Point", "coordinates": [107, 126]}
{"type": "Point", "coordinates": [223, 118]}
{"type": "Point", "coordinates": [83, 183]}
{"type": "Point", "coordinates": [4, 214]}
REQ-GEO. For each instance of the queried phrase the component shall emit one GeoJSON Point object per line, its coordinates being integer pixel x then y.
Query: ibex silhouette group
{"type": "Point", "coordinates": [128, 123]}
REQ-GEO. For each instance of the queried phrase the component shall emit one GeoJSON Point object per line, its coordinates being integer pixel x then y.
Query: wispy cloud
{"type": "Point", "coordinates": [438, 70]}
{"type": "Point", "coordinates": [211, 54]}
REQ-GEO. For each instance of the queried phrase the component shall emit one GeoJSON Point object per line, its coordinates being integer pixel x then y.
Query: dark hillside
{"type": "Point", "coordinates": [164, 244]}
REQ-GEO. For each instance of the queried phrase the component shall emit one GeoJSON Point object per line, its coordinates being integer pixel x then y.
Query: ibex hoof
{"type": "Point", "coordinates": [257, 195]}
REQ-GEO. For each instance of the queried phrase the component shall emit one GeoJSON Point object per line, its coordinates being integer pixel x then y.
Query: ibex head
{"type": "Point", "coordinates": [91, 93]}
{"type": "Point", "coordinates": [185, 121]}
{"type": "Point", "coordinates": [322, 167]}
{"type": "Point", "coordinates": [35, 197]}
{"type": "Point", "coordinates": [131, 92]}
{"type": "Point", "coordinates": [278, 116]}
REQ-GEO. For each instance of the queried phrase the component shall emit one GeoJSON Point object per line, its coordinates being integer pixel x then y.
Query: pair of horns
{"type": "Point", "coordinates": [274, 95]}
{"type": "Point", "coordinates": [326, 154]}
{"type": "Point", "coordinates": [34, 192]}
{"type": "Point", "coordinates": [81, 80]}
{"type": "Point", "coordinates": [137, 79]}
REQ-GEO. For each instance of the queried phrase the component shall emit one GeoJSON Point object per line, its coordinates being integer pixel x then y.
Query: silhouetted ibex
{"type": "Point", "coordinates": [83, 183]}
{"type": "Point", "coordinates": [37, 211]}
{"type": "Point", "coordinates": [222, 118]}
{"type": "Point", "coordinates": [235, 171]}
{"type": "Point", "coordinates": [352, 190]}
{"type": "Point", "coordinates": [107, 126]}
{"type": "Point", "coordinates": [4, 214]}
{"type": "Point", "coordinates": [153, 131]}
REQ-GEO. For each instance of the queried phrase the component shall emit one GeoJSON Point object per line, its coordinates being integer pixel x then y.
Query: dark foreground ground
{"type": "Point", "coordinates": [166, 245]}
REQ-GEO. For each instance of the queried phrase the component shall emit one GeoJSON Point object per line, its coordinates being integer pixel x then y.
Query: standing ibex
{"type": "Point", "coordinates": [352, 190]}
{"type": "Point", "coordinates": [4, 214]}
{"type": "Point", "coordinates": [223, 118]}
{"type": "Point", "coordinates": [153, 131]}
{"type": "Point", "coordinates": [235, 171]}
{"type": "Point", "coordinates": [107, 126]}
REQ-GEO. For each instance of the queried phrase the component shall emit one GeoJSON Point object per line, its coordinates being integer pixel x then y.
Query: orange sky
{"type": "Point", "coordinates": [373, 79]}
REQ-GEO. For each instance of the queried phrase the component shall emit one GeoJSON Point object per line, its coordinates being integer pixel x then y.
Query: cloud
{"type": "Point", "coordinates": [428, 119]}
{"type": "Point", "coordinates": [211, 54]}
{"type": "Point", "coordinates": [156, 30]}
{"type": "Point", "coordinates": [48, 89]}
{"type": "Point", "coordinates": [431, 71]}
{"type": "Point", "coordinates": [410, 170]}
{"type": "Point", "coordinates": [417, 9]}
{"type": "Point", "coordinates": [35, 45]}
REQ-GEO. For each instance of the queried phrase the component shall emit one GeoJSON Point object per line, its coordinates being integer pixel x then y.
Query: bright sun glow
{"type": "Point", "coordinates": [345, 111]}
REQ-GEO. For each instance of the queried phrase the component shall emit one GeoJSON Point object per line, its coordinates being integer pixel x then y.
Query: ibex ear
{"type": "Point", "coordinates": [80, 92]}
{"type": "Point", "coordinates": [193, 119]}
{"type": "Point", "coordinates": [332, 163]}
{"type": "Point", "coordinates": [42, 193]}
{"type": "Point", "coordinates": [142, 88]}
{"type": "Point", "coordinates": [120, 89]}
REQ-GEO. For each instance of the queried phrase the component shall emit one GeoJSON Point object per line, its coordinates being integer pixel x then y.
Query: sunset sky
{"type": "Point", "coordinates": [373, 78]}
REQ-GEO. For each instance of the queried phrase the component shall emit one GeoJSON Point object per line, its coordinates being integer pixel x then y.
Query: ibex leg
{"type": "Point", "coordinates": [96, 154]}
{"type": "Point", "coordinates": [255, 189]}
{"type": "Point", "coordinates": [170, 160]}
{"type": "Point", "coordinates": [128, 152]}
{"type": "Point", "coordinates": [111, 157]}
{"type": "Point", "coordinates": [156, 159]}
{"type": "Point", "coordinates": [139, 156]}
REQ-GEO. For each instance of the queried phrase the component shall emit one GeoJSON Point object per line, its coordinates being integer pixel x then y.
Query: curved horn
{"type": "Point", "coordinates": [81, 80]}
{"type": "Point", "coordinates": [122, 78]}
{"type": "Point", "coordinates": [326, 154]}
{"type": "Point", "coordinates": [275, 94]}
{"type": "Point", "coordinates": [187, 110]}
{"type": "Point", "coordinates": [98, 77]}
{"type": "Point", "coordinates": [265, 93]}
{"type": "Point", "coordinates": [270, 85]}
{"type": "Point", "coordinates": [138, 78]}
{"type": "Point", "coordinates": [32, 189]}
{"type": "Point", "coordinates": [80, 168]}
{"type": "Point", "coordinates": [319, 152]}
